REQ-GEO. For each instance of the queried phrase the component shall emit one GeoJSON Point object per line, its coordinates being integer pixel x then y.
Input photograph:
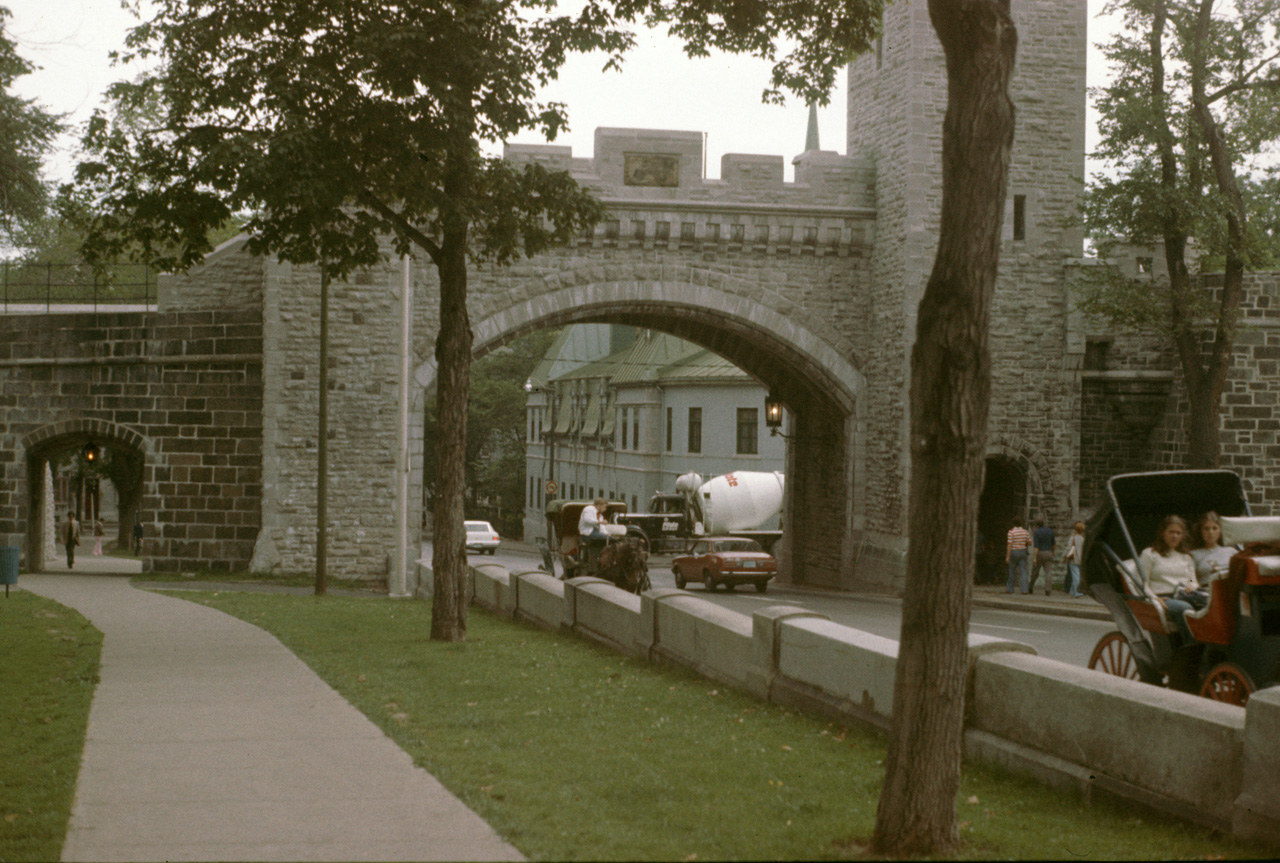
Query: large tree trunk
{"type": "Point", "coordinates": [1206, 401]}
{"type": "Point", "coordinates": [950, 389]}
{"type": "Point", "coordinates": [453, 385]}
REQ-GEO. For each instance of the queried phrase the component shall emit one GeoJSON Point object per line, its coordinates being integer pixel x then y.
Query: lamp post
{"type": "Point", "coordinates": [773, 410]}
{"type": "Point", "coordinates": [549, 445]}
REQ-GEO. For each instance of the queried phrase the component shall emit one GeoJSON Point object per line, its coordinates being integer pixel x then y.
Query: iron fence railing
{"type": "Point", "coordinates": [51, 285]}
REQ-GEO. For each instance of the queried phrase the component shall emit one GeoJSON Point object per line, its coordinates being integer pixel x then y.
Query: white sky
{"type": "Point", "coordinates": [658, 88]}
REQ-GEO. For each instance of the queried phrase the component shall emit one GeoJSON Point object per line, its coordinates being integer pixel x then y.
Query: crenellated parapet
{"type": "Point", "coordinates": [653, 182]}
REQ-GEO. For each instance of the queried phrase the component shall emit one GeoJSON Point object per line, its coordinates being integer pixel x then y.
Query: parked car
{"type": "Point", "coordinates": [727, 560]}
{"type": "Point", "coordinates": [482, 537]}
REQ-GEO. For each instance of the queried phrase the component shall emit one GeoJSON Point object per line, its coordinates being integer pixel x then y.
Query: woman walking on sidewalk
{"type": "Point", "coordinates": [99, 531]}
{"type": "Point", "coordinates": [1075, 553]}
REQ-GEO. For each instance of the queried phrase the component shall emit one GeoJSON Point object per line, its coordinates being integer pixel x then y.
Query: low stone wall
{"type": "Point", "coordinates": [1069, 727]}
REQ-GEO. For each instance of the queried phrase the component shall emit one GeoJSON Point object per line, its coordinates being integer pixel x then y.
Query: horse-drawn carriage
{"type": "Point", "coordinates": [622, 557]}
{"type": "Point", "coordinates": [1236, 644]}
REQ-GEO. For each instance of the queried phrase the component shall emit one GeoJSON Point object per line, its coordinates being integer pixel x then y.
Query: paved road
{"type": "Point", "coordinates": [1066, 639]}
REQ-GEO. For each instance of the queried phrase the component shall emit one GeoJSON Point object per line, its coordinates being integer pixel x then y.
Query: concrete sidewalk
{"type": "Point", "coordinates": [208, 740]}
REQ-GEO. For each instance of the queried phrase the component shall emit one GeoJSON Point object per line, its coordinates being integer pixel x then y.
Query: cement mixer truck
{"type": "Point", "coordinates": [733, 504]}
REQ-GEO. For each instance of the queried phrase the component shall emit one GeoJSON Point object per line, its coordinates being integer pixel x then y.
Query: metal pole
{"type": "Point", "coordinates": [322, 468]}
{"type": "Point", "coordinates": [48, 288]}
{"type": "Point", "coordinates": [399, 572]}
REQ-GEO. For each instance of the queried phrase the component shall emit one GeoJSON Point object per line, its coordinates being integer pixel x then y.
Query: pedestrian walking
{"type": "Point", "coordinates": [71, 537]}
{"type": "Point", "coordinates": [99, 531]}
{"type": "Point", "coordinates": [1075, 554]}
{"type": "Point", "coordinates": [1017, 541]}
{"type": "Point", "coordinates": [1045, 542]}
{"type": "Point", "coordinates": [137, 536]}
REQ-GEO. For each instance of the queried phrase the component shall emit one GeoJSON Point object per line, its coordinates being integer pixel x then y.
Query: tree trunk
{"type": "Point", "coordinates": [1203, 424]}
{"type": "Point", "coordinates": [453, 384]}
{"type": "Point", "coordinates": [950, 390]}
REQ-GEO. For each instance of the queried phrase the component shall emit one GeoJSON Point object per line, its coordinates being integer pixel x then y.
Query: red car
{"type": "Point", "coordinates": [727, 560]}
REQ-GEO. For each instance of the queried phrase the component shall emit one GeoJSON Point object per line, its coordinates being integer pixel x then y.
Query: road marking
{"type": "Point", "coordinates": [1012, 628]}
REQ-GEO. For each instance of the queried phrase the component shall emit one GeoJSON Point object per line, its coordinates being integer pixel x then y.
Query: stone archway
{"type": "Point", "coordinates": [814, 374]}
{"type": "Point", "coordinates": [40, 445]}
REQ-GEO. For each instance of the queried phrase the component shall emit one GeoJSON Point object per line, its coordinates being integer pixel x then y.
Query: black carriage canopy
{"type": "Point", "coordinates": [1127, 521]}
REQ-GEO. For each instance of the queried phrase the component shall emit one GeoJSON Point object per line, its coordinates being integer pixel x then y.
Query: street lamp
{"type": "Point", "coordinates": [550, 443]}
{"type": "Point", "coordinates": [91, 452]}
{"type": "Point", "coordinates": [773, 409]}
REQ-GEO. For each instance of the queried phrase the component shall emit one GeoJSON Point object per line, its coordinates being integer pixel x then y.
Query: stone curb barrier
{"type": "Point", "coordinates": [1099, 735]}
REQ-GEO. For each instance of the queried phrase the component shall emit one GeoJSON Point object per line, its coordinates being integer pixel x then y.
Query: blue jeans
{"type": "Point", "coordinates": [1017, 563]}
{"type": "Point", "coordinates": [1176, 609]}
{"type": "Point", "coordinates": [1073, 579]}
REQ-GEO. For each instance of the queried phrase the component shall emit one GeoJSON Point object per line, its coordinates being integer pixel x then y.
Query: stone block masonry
{"type": "Point", "coordinates": [182, 389]}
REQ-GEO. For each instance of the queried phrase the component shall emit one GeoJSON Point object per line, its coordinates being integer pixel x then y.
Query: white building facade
{"type": "Point", "coordinates": [621, 413]}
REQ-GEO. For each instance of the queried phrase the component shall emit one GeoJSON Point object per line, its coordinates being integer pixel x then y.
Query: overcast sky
{"type": "Point", "coordinates": [658, 88]}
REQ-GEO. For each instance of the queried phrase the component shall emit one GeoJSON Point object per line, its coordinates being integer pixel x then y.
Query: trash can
{"type": "Point", "coordinates": [8, 566]}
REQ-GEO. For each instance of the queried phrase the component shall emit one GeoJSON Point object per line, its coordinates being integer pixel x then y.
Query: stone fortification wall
{"type": "Point", "coordinates": [1134, 403]}
{"type": "Point", "coordinates": [228, 279]}
{"type": "Point", "coordinates": [897, 99]}
{"type": "Point", "coordinates": [182, 389]}
{"type": "Point", "coordinates": [795, 250]}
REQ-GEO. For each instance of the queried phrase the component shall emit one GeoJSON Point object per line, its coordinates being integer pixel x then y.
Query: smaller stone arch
{"type": "Point", "coordinates": [35, 449]}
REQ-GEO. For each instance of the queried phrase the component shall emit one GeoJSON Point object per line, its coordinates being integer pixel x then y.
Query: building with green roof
{"type": "Point", "coordinates": [620, 412]}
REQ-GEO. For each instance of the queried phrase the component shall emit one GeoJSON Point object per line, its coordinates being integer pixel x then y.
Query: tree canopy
{"type": "Point", "coordinates": [1187, 120]}
{"type": "Point", "coordinates": [27, 131]}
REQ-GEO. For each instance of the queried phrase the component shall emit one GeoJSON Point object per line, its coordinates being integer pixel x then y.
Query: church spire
{"type": "Point", "coordinates": [811, 134]}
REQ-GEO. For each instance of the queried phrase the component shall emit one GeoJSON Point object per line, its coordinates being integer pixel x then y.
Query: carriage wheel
{"type": "Point", "coordinates": [1228, 683]}
{"type": "Point", "coordinates": [1112, 655]}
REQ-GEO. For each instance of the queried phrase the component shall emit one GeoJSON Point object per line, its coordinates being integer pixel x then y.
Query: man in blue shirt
{"type": "Point", "coordinates": [1043, 541]}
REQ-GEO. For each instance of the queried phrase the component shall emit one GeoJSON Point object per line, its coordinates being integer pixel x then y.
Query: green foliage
{"type": "Point", "coordinates": [26, 134]}
{"type": "Point", "coordinates": [333, 124]}
{"type": "Point", "coordinates": [823, 35]}
{"type": "Point", "coordinates": [572, 752]}
{"type": "Point", "coordinates": [1159, 182]}
{"type": "Point", "coordinates": [50, 668]}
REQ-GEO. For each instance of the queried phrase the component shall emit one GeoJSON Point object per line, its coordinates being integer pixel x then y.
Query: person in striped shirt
{"type": "Point", "coordinates": [1015, 555]}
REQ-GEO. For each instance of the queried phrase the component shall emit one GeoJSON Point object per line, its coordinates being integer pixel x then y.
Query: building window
{"type": "Point", "coordinates": [530, 491]}
{"type": "Point", "coordinates": [635, 428]}
{"type": "Point", "coordinates": [1019, 217]}
{"type": "Point", "coordinates": [1146, 265]}
{"type": "Point", "coordinates": [748, 431]}
{"type": "Point", "coordinates": [622, 421]}
{"type": "Point", "coordinates": [695, 430]}
{"type": "Point", "coordinates": [669, 411]}
{"type": "Point", "coordinates": [635, 504]}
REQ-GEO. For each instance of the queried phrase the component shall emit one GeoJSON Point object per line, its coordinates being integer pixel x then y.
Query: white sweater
{"type": "Point", "coordinates": [1168, 572]}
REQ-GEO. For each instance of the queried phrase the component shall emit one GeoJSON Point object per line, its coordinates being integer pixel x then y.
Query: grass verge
{"type": "Point", "coordinates": [572, 752]}
{"type": "Point", "coordinates": [48, 668]}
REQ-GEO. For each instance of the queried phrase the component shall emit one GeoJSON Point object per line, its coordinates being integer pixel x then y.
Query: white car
{"type": "Point", "coordinates": [482, 537]}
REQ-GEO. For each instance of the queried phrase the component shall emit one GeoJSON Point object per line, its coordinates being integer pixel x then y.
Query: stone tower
{"type": "Point", "coordinates": [897, 98]}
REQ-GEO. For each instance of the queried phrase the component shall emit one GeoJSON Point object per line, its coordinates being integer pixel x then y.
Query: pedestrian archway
{"type": "Point", "coordinates": [125, 462]}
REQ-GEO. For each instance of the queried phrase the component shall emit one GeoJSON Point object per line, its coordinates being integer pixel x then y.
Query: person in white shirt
{"type": "Point", "coordinates": [1211, 556]}
{"type": "Point", "coordinates": [589, 523]}
{"type": "Point", "coordinates": [1170, 571]}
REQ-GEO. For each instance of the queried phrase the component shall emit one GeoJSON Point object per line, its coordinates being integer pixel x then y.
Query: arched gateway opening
{"type": "Point", "coordinates": [127, 454]}
{"type": "Point", "coordinates": [814, 375]}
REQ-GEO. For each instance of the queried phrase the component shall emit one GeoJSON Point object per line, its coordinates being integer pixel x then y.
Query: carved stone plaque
{"type": "Point", "coordinates": [651, 169]}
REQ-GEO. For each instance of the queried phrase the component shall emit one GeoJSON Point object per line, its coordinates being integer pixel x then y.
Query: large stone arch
{"type": "Point", "coordinates": [816, 374]}
{"type": "Point", "coordinates": [36, 448]}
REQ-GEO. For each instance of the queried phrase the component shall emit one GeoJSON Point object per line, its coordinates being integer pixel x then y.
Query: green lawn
{"type": "Point", "coordinates": [48, 668]}
{"type": "Point", "coordinates": [573, 752]}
